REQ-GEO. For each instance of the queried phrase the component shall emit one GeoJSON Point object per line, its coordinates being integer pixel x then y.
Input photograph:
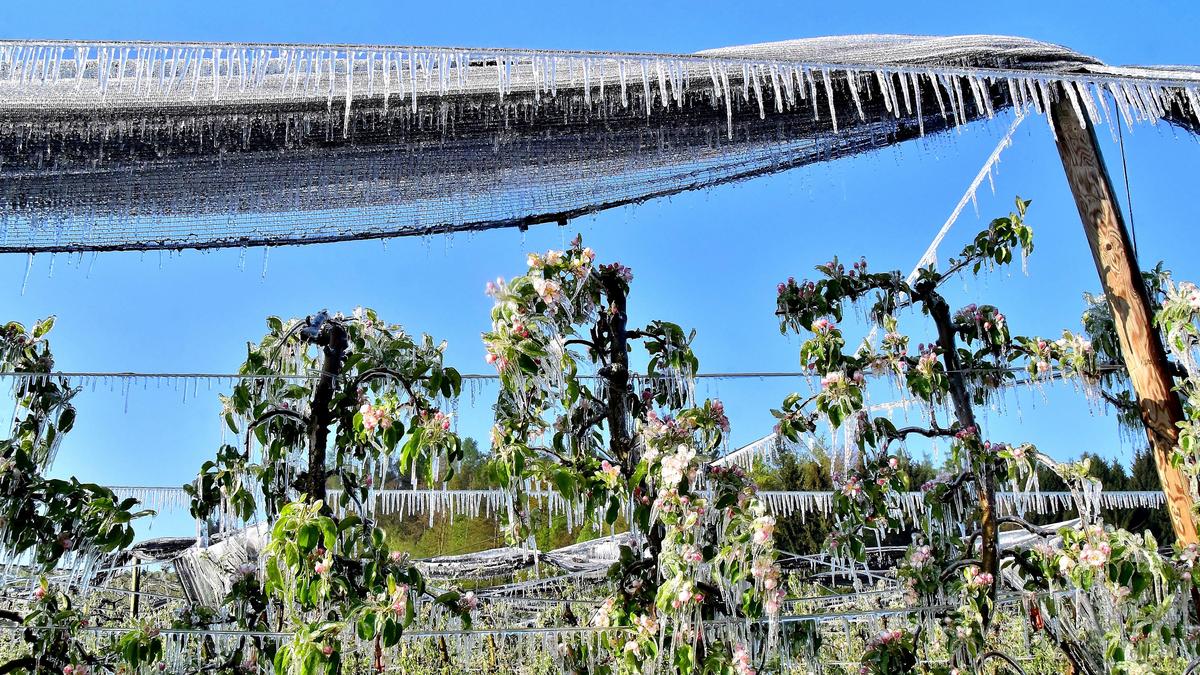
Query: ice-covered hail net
{"type": "Point", "coordinates": [110, 146]}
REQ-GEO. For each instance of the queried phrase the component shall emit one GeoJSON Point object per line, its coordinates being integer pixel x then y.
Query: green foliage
{"type": "Point", "coordinates": [140, 647]}
{"type": "Point", "coordinates": [995, 245]}
{"type": "Point", "coordinates": [330, 572]}
{"type": "Point", "coordinates": [690, 560]}
{"type": "Point", "coordinates": [383, 408]}
{"type": "Point", "coordinates": [50, 517]}
{"type": "Point", "coordinates": [974, 355]}
{"type": "Point", "coordinates": [56, 521]}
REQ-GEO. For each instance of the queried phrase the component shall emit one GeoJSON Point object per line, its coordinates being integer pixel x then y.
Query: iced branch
{"type": "Point", "coordinates": [277, 412]}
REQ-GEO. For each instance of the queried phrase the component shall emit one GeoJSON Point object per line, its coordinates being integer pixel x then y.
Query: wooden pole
{"type": "Point", "coordinates": [135, 585]}
{"type": "Point", "coordinates": [1121, 278]}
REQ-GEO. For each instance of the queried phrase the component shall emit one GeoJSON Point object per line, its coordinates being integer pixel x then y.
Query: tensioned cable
{"type": "Point", "coordinates": [555, 630]}
{"type": "Point", "coordinates": [930, 254]}
{"type": "Point", "coordinates": [1128, 194]}
{"type": "Point", "coordinates": [131, 375]}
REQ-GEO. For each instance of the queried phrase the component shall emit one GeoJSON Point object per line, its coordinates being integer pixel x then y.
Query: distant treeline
{"type": "Point", "coordinates": [788, 471]}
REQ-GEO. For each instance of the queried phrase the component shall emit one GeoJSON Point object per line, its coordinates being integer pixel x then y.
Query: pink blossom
{"type": "Point", "coordinates": [853, 487]}
{"type": "Point", "coordinates": [921, 557]}
{"type": "Point", "coordinates": [831, 379]}
{"type": "Point", "coordinates": [773, 602]}
{"type": "Point", "coordinates": [741, 661]}
{"type": "Point", "coordinates": [763, 529]}
{"type": "Point", "coordinates": [1094, 556]}
{"type": "Point", "coordinates": [39, 593]}
{"type": "Point", "coordinates": [327, 650]}
{"type": "Point", "coordinates": [469, 602]}
{"type": "Point", "coordinates": [761, 568]}
{"type": "Point", "coordinates": [612, 471]}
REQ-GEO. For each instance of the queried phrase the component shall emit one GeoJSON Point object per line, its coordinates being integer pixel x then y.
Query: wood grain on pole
{"type": "Point", "coordinates": [135, 587]}
{"type": "Point", "coordinates": [1141, 347]}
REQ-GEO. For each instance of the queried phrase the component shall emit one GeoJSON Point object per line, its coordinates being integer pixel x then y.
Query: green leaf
{"type": "Point", "coordinates": [366, 627]}
{"type": "Point", "coordinates": [614, 509]}
{"type": "Point", "coordinates": [565, 484]}
{"type": "Point", "coordinates": [307, 537]}
{"type": "Point", "coordinates": [42, 327]}
{"type": "Point", "coordinates": [329, 532]}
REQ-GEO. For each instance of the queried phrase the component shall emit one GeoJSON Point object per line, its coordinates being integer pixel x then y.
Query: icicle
{"type": "Point", "coordinates": [28, 269]}
{"type": "Point", "coordinates": [852, 81]}
{"type": "Point", "coordinates": [1074, 98]}
{"type": "Point", "coordinates": [829, 94]}
{"type": "Point", "coordinates": [349, 92]}
{"type": "Point", "coordinates": [728, 101]}
{"type": "Point", "coordinates": [916, 86]}
{"type": "Point", "coordinates": [762, 115]}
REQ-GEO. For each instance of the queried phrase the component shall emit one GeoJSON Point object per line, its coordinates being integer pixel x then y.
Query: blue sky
{"type": "Point", "coordinates": [707, 260]}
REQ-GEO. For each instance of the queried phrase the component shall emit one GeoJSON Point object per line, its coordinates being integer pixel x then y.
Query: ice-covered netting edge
{"type": "Point", "coordinates": [140, 146]}
{"type": "Point", "coordinates": [432, 503]}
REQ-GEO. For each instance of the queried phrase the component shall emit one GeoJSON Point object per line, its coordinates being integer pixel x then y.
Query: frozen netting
{"type": "Point", "coordinates": [207, 573]}
{"type": "Point", "coordinates": [118, 146]}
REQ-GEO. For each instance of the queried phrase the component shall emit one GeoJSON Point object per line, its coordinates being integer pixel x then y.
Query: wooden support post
{"type": "Point", "coordinates": [1121, 278]}
{"type": "Point", "coordinates": [135, 585]}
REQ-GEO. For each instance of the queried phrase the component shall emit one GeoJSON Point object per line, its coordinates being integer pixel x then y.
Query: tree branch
{"type": "Point", "coordinates": [1015, 520]}
{"type": "Point", "coordinates": [580, 341]}
{"type": "Point", "coordinates": [23, 663]}
{"type": "Point", "coordinates": [956, 484]}
{"type": "Point", "coordinates": [1027, 526]}
{"type": "Point", "coordinates": [930, 432]}
{"type": "Point", "coordinates": [965, 562]}
{"type": "Point", "coordinates": [277, 412]}
{"type": "Point", "coordinates": [594, 420]}
{"type": "Point", "coordinates": [389, 373]}
{"type": "Point", "coordinates": [984, 657]}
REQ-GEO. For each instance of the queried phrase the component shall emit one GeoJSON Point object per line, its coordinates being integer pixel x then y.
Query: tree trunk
{"type": "Point", "coordinates": [989, 555]}
{"type": "Point", "coordinates": [616, 375]}
{"type": "Point", "coordinates": [334, 342]}
{"type": "Point", "coordinates": [1141, 346]}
